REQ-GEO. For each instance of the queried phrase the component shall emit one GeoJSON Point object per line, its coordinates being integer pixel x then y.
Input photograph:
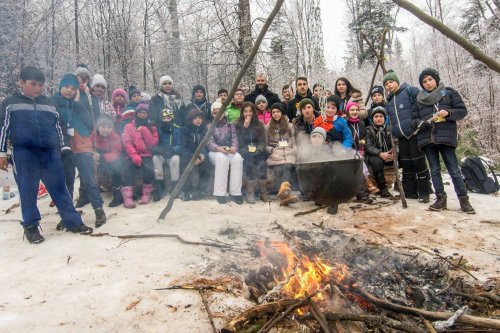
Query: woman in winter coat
{"type": "Point", "coordinates": [435, 116]}
{"type": "Point", "coordinates": [347, 93]}
{"type": "Point", "coordinates": [280, 147]}
{"type": "Point", "coordinates": [224, 155]}
{"type": "Point", "coordinates": [252, 147]}
{"type": "Point", "coordinates": [139, 138]}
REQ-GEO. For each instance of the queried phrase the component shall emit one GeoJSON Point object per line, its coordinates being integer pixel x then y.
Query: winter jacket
{"type": "Point", "coordinates": [192, 136]}
{"type": "Point", "coordinates": [109, 147]}
{"type": "Point", "coordinates": [172, 101]}
{"type": "Point", "coordinates": [399, 107]}
{"type": "Point", "coordinates": [91, 103]}
{"type": "Point", "coordinates": [440, 132]}
{"type": "Point", "coordinates": [169, 141]}
{"type": "Point", "coordinates": [139, 141]}
{"type": "Point", "coordinates": [255, 135]}
{"type": "Point", "coordinates": [336, 129]}
{"type": "Point", "coordinates": [303, 127]}
{"type": "Point", "coordinates": [280, 155]}
{"type": "Point", "coordinates": [372, 146]}
{"type": "Point", "coordinates": [233, 113]}
{"type": "Point", "coordinates": [76, 116]}
{"type": "Point", "coordinates": [126, 118]}
{"type": "Point", "coordinates": [30, 122]}
{"type": "Point", "coordinates": [203, 106]}
{"type": "Point", "coordinates": [358, 131]}
{"type": "Point", "coordinates": [224, 135]}
{"type": "Point", "coordinates": [268, 94]}
{"type": "Point", "coordinates": [264, 117]}
{"type": "Point", "coordinates": [293, 110]}
{"type": "Point", "coordinates": [106, 108]}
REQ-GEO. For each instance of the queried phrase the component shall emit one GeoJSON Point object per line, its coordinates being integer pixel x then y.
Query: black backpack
{"type": "Point", "coordinates": [476, 178]}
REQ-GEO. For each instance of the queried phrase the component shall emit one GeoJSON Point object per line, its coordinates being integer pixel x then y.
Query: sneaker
{"type": "Point", "coordinates": [424, 199]}
{"type": "Point", "coordinates": [81, 229]}
{"type": "Point", "coordinates": [220, 199]}
{"type": "Point", "coordinates": [33, 234]}
{"type": "Point", "coordinates": [100, 217]}
{"type": "Point", "coordinates": [238, 199]}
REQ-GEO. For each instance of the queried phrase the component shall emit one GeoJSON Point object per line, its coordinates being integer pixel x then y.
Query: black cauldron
{"type": "Point", "coordinates": [331, 182]}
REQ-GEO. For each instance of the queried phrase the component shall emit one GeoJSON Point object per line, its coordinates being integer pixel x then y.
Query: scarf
{"type": "Point", "coordinates": [142, 122]}
{"type": "Point", "coordinates": [380, 133]}
{"type": "Point", "coordinates": [433, 97]}
{"type": "Point", "coordinates": [355, 127]}
{"type": "Point", "coordinates": [171, 100]}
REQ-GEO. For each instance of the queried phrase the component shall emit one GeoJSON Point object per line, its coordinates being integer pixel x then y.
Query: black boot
{"type": "Point", "coordinates": [117, 198]}
{"type": "Point", "coordinates": [465, 205]}
{"type": "Point", "coordinates": [440, 202]}
{"type": "Point", "coordinates": [384, 193]}
{"type": "Point", "coordinates": [60, 226]}
{"type": "Point", "coordinates": [81, 229]}
{"type": "Point", "coordinates": [363, 195]}
{"type": "Point", "coordinates": [238, 199]}
{"type": "Point", "coordinates": [424, 186]}
{"type": "Point", "coordinates": [33, 235]}
{"type": "Point", "coordinates": [100, 217]}
{"type": "Point", "coordinates": [409, 183]}
{"type": "Point", "coordinates": [82, 198]}
{"type": "Point", "coordinates": [333, 209]}
{"type": "Point", "coordinates": [159, 190]}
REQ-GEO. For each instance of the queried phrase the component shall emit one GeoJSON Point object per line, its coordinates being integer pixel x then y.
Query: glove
{"type": "Point", "coordinates": [66, 152]}
{"type": "Point", "coordinates": [137, 160]}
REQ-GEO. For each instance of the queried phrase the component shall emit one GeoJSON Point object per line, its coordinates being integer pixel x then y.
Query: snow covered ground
{"type": "Point", "coordinates": [74, 283]}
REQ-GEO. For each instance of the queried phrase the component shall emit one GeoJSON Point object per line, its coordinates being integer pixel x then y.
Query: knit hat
{"type": "Point", "coordinates": [104, 119]}
{"type": "Point", "coordinates": [377, 89]}
{"type": "Point", "coordinates": [431, 72]}
{"type": "Point", "coordinates": [167, 113]}
{"type": "Point", "coordinates": [334, 99]}
{"type": "Point", "coordinates": [82, 70]}
{"type": "Point", "coordinates": [280, 106]}
{"type": "Point", "coordinates": [142, 107]}
{"type": "Point", "coordinates": [215, 105]}
{"type": "Point", "coordinates": [128, 110]}
{"type": "Point", "coordinates": [378, 109]}
{"type": "Point", "coordinates": [319, 130]}
{"type": "Point", "coordinates": [119, 92]}
{"type": "Point", "coordinates": [163, 79]}
{"type": "Point", "coordinates": [98, 79]}
{"type": "Point", "coordinates": [348, 107]}
{"type": "Point", "coordinates": [304, 102]}
{"type": "Point", "coordinates": [69, 79]}
{"type": "Point", "coordinates": [145, 96]}
{"type": "Point", "coordinates": [260, 98]}
{"type": "Point", "coordinates": [390, 76]}
{"type": "Point", "coordinates": [133, 90]}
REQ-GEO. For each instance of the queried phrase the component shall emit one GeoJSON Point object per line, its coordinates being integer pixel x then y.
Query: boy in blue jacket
{"type": "Point", "coordinates": [31, 122]}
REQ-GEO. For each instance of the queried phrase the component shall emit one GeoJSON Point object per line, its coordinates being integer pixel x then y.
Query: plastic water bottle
{"type": "Point", "coordinates": [6, 188]}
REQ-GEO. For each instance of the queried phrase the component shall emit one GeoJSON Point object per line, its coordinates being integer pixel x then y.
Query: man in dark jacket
{"type": "Point", "coordinates": [303, 91]}
{"type": "Point", "coordinates": [261, 88]}
{"type": "Point", "coordinates": [31, 123]}
{"type": "Point", "coordinates": [416, 176]}
{"type": "Point", "coordinates": [199, 102]}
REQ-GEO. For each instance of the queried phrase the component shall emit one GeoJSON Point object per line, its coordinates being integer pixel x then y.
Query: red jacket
{"type": "Point", "coordinates": [139, 141]}
{"type": "Point", "coordinates": [264, 117]}
{"type": "Point", "coordinates": [109, 147]}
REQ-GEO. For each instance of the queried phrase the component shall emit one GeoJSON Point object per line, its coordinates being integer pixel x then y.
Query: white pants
{"type": "Point", "coordinates": [174, 164]}
{"type": "Point", "coordinates": [222, 163]}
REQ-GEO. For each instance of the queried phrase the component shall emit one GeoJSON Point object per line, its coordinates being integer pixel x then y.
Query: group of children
{"type": "Point", "coordinates": [136, 140]}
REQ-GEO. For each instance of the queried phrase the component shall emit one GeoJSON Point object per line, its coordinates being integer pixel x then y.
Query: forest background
{"type": "Point", "coordinates": [206, 41]}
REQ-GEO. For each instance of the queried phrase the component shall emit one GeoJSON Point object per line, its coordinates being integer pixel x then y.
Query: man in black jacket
{"type": "Point", "coordinates": [261, 88]}
{"type": "Point", "coordinates": [303, 91]}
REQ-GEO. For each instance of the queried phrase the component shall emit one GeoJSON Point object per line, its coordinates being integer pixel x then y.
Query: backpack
{"type": "Point", "coordinates": [476, 178]}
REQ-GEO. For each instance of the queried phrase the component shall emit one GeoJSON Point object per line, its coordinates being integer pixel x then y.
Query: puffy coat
{"type": "Point", "coordinates": [110, 147]}
{"type": "Point", "coordinates": [440, 132]}
{"type": "Point", "coordinates": [280, 155]}
{"type": "Point", "coordinates": [30, 122]}
{"type": "Point", "coordinates": [336, 129]}
{"type": "Point", "coordinates": [372, 147]}
{"type": "Point", "coordinates": [264, 117]}
{"type": "Point", "coordinates": [192, 136]}
{"type": "Point", "coordinates": [293, 105]}
{"type": "Point", "coordinates": [233, 113]}
{"type": "Point", "coordinates": [268, 94]}
{"type": "Point", "coordinates": [255, 134]}
{"type": "Point", "coordinates": [399, 107]}
{"type": "Point", "coordinates": [169, 141]}
{"type": "Point", "coordinates": [139, 141]}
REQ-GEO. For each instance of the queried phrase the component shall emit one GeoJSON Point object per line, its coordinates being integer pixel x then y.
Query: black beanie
{"type": "Point", "coordinates": [280, 106]}
{"type": "Point", "coordinates": [378, 109]}
{"type": "Point", "coordinates": [377, 89]}
{"type": "Point", "coordinates": [431, 72]}
{"type": "Point", "coordinates": [334, 99]}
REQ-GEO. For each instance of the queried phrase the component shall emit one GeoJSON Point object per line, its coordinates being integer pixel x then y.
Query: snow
{"type": "Point", "coordinates": [74, 283]}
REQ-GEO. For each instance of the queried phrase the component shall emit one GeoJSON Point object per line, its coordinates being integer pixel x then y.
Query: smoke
{"type": "Point", "coordinates": [309, 153]}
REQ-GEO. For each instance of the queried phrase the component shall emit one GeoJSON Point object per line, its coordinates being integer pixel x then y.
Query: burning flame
{"type": "Point", "coordinates": [302, 275]}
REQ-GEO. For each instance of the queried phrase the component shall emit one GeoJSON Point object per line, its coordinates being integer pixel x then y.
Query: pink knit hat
{"type": "Point", "coordinates": [348, 107]}
{"type": "Point", "coordinates": [119, 92]}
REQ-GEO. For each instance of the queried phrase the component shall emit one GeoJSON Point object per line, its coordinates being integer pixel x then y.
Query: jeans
{"type": "Point", "coordinates": [432, 152]}
{"type": "Point", "coordinates": [32, 165]}
{"type": "Point", "coordinates": [88, 180]}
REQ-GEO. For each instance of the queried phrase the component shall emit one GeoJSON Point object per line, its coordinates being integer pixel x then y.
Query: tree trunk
{"type": "Point", "coordinates": [77, 37]}
{"type": "Point", "coordinates": [176, 38]}
{"type": "Point", "coordinates": [245, 41]}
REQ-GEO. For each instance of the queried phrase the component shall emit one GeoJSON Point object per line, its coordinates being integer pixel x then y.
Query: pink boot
{"type": "Point", "coordinates": [127, 192]}
{"type": "Point", "coordinates": [147, 189]}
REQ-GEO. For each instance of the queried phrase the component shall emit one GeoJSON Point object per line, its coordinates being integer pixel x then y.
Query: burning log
{"type": "Point", "coordinates": [224, 284]}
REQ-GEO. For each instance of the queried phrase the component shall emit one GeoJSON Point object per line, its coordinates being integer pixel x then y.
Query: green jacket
{"type": "Point", "coordinates": [232, 113]}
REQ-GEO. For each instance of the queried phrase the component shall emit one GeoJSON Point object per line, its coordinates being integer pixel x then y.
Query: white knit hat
{"type": "Point", "coordinates": [216, 105]}
{"type": "Point", "coordinates": [165, 78]}
{"type": "Point", "coordinates": [82, 70]}
{"type": "Point", "coordinates": [98, 79]}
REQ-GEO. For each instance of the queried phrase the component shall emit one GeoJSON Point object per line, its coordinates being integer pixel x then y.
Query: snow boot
{"type": "Point", "coordinates": [364, 195]}
{"type": "Point", "coordinates": [127, 192]}
{"type": "Point", "coordinates": [81, 229]}
{"type": "Point", "coordinates": [147, 189]}
{"type": "Point", "coordinates": [465, 205]}
{"type": "Point", "coordinates": [251, 191]}
{"type": "Point", "coordinates": [220, 199]}
{"type": "Point", "coordinates": [82, 198]}
{"type": "Point", "coordinates": [33, 234]}
{"type": "Point", "coordinates": [440, 203]}
{"type": "Point", "coordinates": [263, 190]}
{"type": "Point", "coordinates": [384, 193]}
{"type": "Point", "coordinates": [100, 217]}
{"type": "Point", "coordinates": [409, 183]}
{"type": "Point", "coordinates": [159, 190]}
{"type": "Point", "coordinates": [117, 198]}
{"type": "Point", "coordinates": [238, 199]}
{"type": "Point", "coordinates": [372, 188]}
{"type": "Point", "coordinates": [60, 226]}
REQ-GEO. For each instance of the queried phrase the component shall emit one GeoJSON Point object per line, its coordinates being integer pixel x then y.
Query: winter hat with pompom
{"type": "Point", "coordinates": [390, 76]}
